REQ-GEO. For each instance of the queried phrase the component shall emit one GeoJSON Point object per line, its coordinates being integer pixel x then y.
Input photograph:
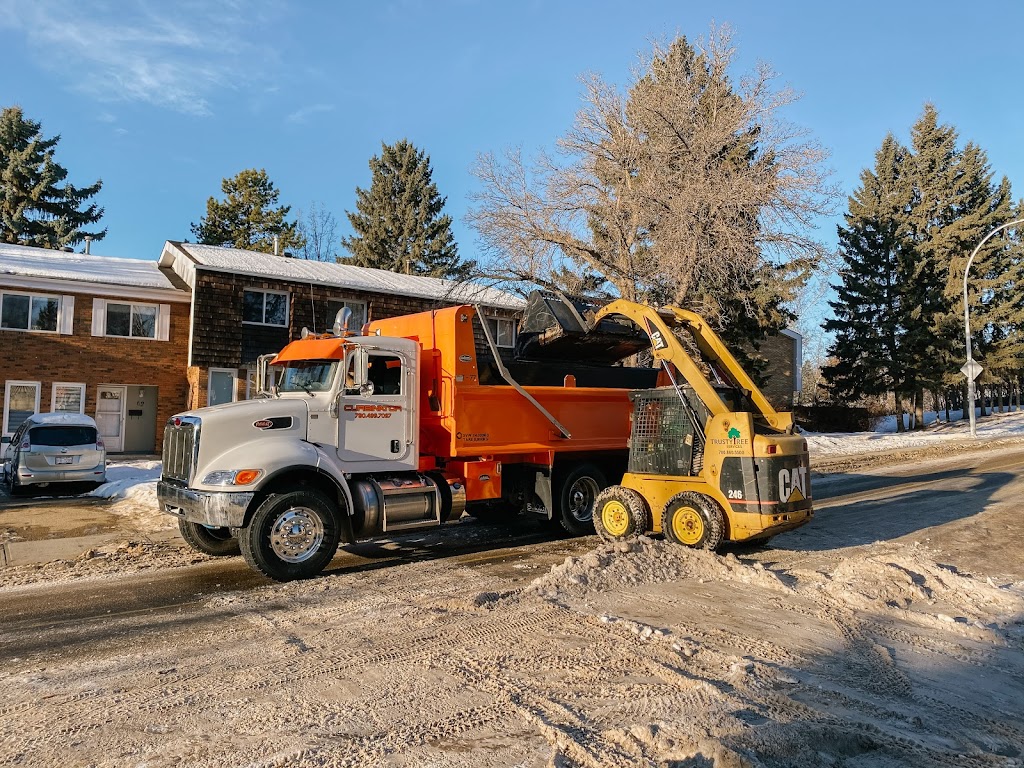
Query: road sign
{"type": "Point", "coordinates": [971, 370]}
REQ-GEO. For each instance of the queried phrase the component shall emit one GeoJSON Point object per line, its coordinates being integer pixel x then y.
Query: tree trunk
{"type": "Point", "coordinates": [945, 402]}
{"type": "Point", "coordinates": [981, 395]}
{"type": "Point", "coordinates": [919, 409]}
{"type": "Point", "coordinates": [899, 414]}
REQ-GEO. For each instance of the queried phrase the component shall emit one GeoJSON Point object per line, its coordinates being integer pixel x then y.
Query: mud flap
{"type": "Point", "coordinates": [542, 490]}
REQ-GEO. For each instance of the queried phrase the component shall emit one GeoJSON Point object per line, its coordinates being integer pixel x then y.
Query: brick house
{"type": "Point", "coordinates": [246, 304]}
{"type": "Point", "coordinates": [91, 334]}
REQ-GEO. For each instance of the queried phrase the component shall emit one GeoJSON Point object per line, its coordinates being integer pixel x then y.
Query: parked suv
{"type": "Point", "coordinates": [54, 448]}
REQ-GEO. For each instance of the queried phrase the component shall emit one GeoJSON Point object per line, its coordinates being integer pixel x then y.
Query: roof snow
{"type": "Point", "coordinates": [26, 261]}
{"type": "Point", "coordinates": [267, 265]}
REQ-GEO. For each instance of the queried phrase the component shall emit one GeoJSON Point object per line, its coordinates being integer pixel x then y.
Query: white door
{"type": "Point", "coordinates": [375, 423]}
{"type": "Point", "coordinates": [110, 417]}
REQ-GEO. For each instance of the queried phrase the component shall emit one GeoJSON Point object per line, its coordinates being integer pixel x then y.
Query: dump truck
{"type": "Point", "coordinates": [410, 424]}
{"type": "Point", "coordinates": [396, 429]}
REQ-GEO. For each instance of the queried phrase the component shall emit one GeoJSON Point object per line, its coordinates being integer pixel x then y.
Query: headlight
{"type": "Point", "coordinates": [232, 477]}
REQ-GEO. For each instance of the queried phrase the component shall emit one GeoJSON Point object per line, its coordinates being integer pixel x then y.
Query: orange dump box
{"type": "Point", "coordinates": [465, 422]}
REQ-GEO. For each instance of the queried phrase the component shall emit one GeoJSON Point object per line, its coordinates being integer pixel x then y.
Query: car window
{"type": "Point", "coordinates": [62, 436]}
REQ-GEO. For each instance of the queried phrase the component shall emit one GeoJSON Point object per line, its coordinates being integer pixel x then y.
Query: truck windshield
{"type": "Point", "coordinates": [308, 376]}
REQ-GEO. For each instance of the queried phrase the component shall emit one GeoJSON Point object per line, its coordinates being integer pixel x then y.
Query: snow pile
{"type": "Point", "coordinates": [134, 479]}
{"type": "Point", "coordinates": [909, 580]}
{"type": "Point", "coordinates": [132, 484]}
{"type": "Point", "coordinates": [885, 437]}
{"type": "Point", "coordinates": [646, 561]}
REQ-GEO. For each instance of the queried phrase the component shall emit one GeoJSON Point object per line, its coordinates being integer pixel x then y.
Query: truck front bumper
{"type": "Point", "coordinates": [217, 509]}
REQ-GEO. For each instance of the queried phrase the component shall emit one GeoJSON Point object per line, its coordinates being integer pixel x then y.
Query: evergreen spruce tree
{"type": "Point", "coordinates": [249, 216]}
{"type": "Point", "coordinates": [955, 205]}
{"type": "Point", "coordinates": [37, 205]}
{"type": "Point", "coordinates": [869, 354]}
{"type": "Point", "coordinates": [398, 222]}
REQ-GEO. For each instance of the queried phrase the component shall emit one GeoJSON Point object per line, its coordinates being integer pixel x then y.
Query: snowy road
{"type": "Point", "coordinates": [887, 632]}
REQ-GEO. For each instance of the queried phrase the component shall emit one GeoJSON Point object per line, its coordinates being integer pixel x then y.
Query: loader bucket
{"type": "Point", "coordinates": [551, 330]}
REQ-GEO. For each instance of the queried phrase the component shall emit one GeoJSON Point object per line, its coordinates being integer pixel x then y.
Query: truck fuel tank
{"type": "Point", "coordinates": [396, 503]}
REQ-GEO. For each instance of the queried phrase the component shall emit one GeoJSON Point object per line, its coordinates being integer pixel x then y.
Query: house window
{"type": "Point", "coordinates": [355, 322]}
{"type": "Point", "coordinates": [68, 398]}
{"type": "Point", "coordinates": [29, 312]}
{"type": "Point", "coordinates": [503, 331]}
{"type": "Point", "coordinates": [265, 308]}
{"type": "Point", "coordinates": [222, 386]}
{"type": "Point", "coordinates": [129, 320]}
{"type": "Point", "coordinates": [137, 321]}
{"type": "Point", "coordinates": [21, 400]}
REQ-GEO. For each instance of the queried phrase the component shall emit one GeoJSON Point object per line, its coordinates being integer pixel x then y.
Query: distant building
{"type": "Point", "coordinates": [96, 335]}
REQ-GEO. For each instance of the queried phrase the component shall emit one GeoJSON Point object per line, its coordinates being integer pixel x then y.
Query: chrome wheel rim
{"type": "Point", "coordinates": [297, 534]}
{"type": "Point", "coordinates": [582, 494]}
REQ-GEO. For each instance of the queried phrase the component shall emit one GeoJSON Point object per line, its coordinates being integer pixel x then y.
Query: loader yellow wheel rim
{"type": "Point", "coordinates": [687, 525]}
{"type": "Point", "coordinates": [615, 518]}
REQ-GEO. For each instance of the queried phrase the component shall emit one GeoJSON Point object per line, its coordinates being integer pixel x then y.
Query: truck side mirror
{"type": "Point", "coordinates": [362, 360]}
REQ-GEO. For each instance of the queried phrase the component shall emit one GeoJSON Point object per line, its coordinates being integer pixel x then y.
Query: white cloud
{"type": "Point", "coordinates": [300, 116]}
{"type": "Point", "coordinates": [172, 55]}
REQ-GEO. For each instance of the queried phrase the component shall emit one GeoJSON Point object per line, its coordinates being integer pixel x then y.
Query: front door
{"type": "Point", "coordinates": [374, 422]}
{"type": "Point", "coordinates": [110, 417]}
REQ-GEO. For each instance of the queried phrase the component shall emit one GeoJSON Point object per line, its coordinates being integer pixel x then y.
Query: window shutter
{"type": "Point", "coordinates": [99, 317]}
{"type": "Point", "coordinates": [67, 315]}
{"type": "Point", "coordinates": [163, 323]}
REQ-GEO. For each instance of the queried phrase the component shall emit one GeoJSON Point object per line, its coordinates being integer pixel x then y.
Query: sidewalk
{"type": "Point", "coordinates": [48, 550]}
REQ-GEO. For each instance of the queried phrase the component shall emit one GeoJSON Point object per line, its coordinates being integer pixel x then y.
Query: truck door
{"type": "Point", "coordinates": [375, 419]}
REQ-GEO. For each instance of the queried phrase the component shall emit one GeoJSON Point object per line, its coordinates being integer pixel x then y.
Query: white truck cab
{"type": "Point", "coordinates": [327, 453]}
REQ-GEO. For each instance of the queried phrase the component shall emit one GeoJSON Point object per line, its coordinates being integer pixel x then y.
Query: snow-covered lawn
{"type": "Point", "coordinates": [885, 437]}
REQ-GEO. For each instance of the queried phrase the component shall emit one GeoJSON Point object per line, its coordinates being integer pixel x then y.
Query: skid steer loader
{"type": "Point", "coordinates": [710, 460]}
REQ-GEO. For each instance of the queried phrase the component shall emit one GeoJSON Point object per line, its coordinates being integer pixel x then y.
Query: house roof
{"type": "Point", "coordinates": [266, 265]}
{"type": "Point", "coordinates": [26, 266]}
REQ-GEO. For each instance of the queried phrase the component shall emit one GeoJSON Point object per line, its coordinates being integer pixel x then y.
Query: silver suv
{"type": "Point", "coordinates": [54, 448]}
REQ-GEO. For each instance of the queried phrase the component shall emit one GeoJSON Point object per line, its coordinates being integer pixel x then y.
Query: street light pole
{"type": "Point", "coordinates": [969, 366]}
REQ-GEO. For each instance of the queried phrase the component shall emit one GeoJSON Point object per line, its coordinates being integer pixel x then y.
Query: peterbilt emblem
{"type": "Point", "coordinates": [465, 359]}
{"type": "Point", "coordinates": [263, 424]}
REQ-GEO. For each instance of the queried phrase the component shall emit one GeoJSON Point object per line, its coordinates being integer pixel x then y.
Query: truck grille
{"type": "Point", "coordinates": [181, 443]}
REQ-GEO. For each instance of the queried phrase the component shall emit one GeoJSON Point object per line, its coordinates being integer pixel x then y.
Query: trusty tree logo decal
{"type": "Point", "coordinates": [734, 435]}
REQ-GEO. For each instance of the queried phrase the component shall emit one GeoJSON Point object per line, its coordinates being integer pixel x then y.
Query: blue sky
{"type": "Point", "coordinates": [164, 99]}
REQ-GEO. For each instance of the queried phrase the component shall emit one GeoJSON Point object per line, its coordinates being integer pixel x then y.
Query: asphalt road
{"type": "Point", "coordinates": [851, 510]}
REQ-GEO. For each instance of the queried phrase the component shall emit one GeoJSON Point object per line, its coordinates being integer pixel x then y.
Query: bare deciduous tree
{"type": "Point", "coordinates": [320, 230]}
{"type": "Point", "coordinates": [688, 187]}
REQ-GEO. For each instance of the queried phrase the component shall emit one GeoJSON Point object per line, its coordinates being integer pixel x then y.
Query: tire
{"type": "Point", "coordinates": [293, 535]}
{"type": "Point", "coordinates": [218, 542]}
{"type": "Point", "coordinates": [576, 496]}
{"type": "Point", "coordinates": [13, 486]}
{"type": "Point", "coordinates": [620, 513]}
{"type": "Point", "coordinates": [693, 520]}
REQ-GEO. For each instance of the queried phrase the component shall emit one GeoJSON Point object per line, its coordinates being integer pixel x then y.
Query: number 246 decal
{"type": "Point", "coordinates": [734, 494]}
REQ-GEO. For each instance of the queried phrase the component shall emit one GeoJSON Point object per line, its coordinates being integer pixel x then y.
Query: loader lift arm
{"type": "Point", "coordinates": [659, 326]}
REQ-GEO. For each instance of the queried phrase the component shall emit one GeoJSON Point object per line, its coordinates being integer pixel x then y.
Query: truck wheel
{"type": "Point", "coordinates": [217, 542]}
{"type": "Point", "coordinates": [693, 520]}
{"type": "Point", "coordinates": [620, 513]}
{"type": "Point", "coordinates": [577, 494]}
{"type": "Point", "coordinates": [293, 535]}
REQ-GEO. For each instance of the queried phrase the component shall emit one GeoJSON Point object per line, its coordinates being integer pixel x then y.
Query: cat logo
{"type": "Point", "coordinates": [793, 484]}
{"type": "Point", "coordinates": [657, 340]}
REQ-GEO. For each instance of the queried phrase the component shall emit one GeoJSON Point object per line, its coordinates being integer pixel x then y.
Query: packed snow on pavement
{"type": "Point", "coordinates": [887, 632]}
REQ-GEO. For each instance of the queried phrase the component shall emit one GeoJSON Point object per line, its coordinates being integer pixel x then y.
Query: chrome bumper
{"type": "Point", "coordinates": [217, 509]}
